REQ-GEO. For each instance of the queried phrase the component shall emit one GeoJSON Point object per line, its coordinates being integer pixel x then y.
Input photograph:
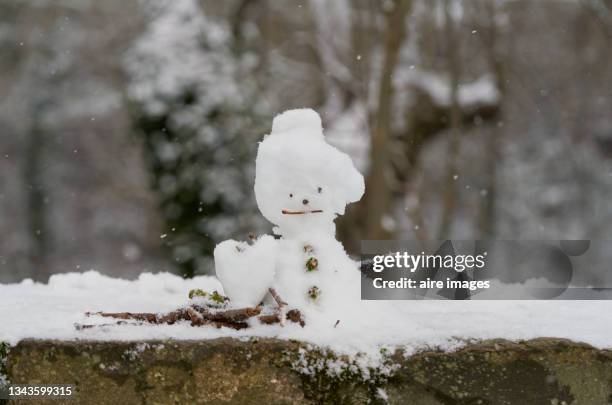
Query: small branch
{"type": "Point", "coordinates": [139, 316]}
{"type": "Point", "coordinates": [229, 315]}
{"type": "Point", "coordinates": [80, 326]}
{"type": "Point", "coordinates": [232, 325]}
{"type": "Point", "coordinates": [172, 317]}
{"type": "Point", "coordinates": [196, 318]}
{"type": "Point", "coordinates": [281, 305]}
{"type": "Point", "coordinates": [294, 316]}
{"type": "Point", "coordinates": [277, 298]}
{"type": "Point", "coordinates": [269, 319]}
{"type": "Point", "coordinates": [197, 315]}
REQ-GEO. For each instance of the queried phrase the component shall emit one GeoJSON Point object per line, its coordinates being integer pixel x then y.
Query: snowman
{"type": "Point", "coordinates": [302, 184]}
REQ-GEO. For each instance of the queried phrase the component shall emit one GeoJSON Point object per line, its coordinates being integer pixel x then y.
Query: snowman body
{"type": "Point", "coordinates": [314, 272]}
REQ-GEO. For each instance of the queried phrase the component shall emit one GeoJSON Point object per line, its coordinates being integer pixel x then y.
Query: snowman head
{"type": "Point", "coordinates": [301, 182]}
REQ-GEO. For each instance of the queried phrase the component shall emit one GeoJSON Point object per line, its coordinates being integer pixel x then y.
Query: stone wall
{"type": "Point", "coordinates": [266, 371]}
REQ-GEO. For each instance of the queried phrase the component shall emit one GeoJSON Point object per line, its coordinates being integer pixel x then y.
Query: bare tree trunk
{"type": "Point", "coordinates": [454, 69]}
{"type": "Point", "coordinates": [486, 218]}
{"type": "Point", "coordinates": [363, 21]}
{"type": "Point", "coordinates": [378, 194]}
{"type": "Point", "coordinates": [35, 200]}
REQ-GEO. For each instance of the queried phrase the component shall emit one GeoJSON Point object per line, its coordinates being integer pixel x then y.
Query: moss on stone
{"type": "Point", "coordinates": [4, 349]}
{"type": "Point", "coordinates": [544, 371]}
{"type": "Point", "coordinates": [329, 378]}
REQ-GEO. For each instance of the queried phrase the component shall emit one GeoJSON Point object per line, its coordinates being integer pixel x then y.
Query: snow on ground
{"type": "Point", "coordinates": [34, 310]}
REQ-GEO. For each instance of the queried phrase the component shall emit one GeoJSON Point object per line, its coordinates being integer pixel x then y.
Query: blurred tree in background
{"type": "Point", "coordinates": [469, 119]}
{"type": "Point", "coordinates": [195, 103]}
{"type": "Point", "coordinates": [73, 191]}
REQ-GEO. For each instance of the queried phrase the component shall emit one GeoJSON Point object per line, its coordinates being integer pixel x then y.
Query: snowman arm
{"type": "Point", "coordinates": [277, 297]}
{"type": "Point", "coordinates": [281, 305]}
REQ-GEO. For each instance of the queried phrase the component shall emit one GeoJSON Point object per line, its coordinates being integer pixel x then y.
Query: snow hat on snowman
{"type": "Point", "coordinates": [301, 182]}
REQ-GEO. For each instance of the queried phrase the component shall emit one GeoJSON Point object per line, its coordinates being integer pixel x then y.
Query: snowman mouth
{"type": "Point", "coordinates": [288, 212]}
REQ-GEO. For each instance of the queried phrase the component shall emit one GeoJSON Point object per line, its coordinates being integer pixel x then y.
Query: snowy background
{"type": "Point", "coordinates": [128, 129]}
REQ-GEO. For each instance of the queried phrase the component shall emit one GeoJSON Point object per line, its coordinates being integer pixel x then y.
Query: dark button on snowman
{"type": "Point", "coordinates": [302, 183]}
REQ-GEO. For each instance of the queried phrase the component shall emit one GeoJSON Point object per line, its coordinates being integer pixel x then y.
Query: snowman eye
{"type": "Point", "coordinates": [290, 195]}
{"type": "Point", "coordinates": [320, 190]}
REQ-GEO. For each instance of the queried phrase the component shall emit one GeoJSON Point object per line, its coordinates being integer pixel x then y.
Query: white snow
{"type": "Point", "coordinates": [482, 91]}
{"type": "Point", "coordinates": [246, 271]}
{"type": "Point", "coordinates": [34, 310]}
